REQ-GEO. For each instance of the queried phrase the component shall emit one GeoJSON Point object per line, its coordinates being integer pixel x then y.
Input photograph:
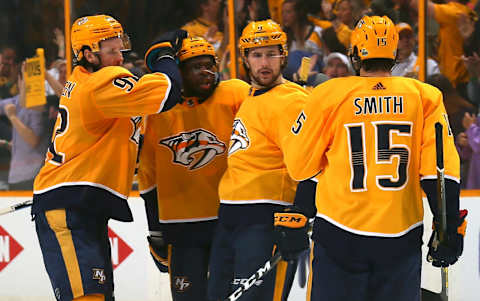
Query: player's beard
{"type": "Point", "coordinates": [97, 66]}
{"type": "Point", "coordinates": [265, 82]}
{"type": "Point", "coordinates": [194, 88]}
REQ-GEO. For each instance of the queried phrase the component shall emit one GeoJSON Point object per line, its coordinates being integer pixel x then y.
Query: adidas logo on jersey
{"type": "Point", "coordinates": [379, 86]}
{"type": "Point", "coordinates": [185, 145]}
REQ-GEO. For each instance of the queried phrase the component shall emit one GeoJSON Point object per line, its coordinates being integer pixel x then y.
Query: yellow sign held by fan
{"type": "Point", "coordinates": [304, 69]}
{"type": "Point", "coordinates": [35, 80]}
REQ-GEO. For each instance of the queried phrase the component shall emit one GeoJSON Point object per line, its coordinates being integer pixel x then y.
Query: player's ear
{"type": "Point", "coordinates": [245, 61]}
{"type": "Point", "coordinates": [89, 56]}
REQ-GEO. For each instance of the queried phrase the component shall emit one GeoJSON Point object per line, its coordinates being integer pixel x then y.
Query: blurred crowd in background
{"type": "Point", "coordinates": [319, 30]}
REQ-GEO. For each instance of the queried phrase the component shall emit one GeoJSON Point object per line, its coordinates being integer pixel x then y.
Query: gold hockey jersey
{"type": "Point", "coordinates": [96, 135]}
{"type": "Point", "coordinates": [369, 141]}
{"type": "Point", "coordinates": [184, 154]}
{"type": "Point", "coordinates": [256, 173]}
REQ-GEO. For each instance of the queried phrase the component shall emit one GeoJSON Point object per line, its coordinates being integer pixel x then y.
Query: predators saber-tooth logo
{"type": "Point", "coordinates": [239, 138]}
{"type": "Point", "coordinates": [185, 145]}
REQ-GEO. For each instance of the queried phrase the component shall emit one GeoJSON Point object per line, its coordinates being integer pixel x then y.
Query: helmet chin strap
{"type": "Point", "coordinates": [356, 62]}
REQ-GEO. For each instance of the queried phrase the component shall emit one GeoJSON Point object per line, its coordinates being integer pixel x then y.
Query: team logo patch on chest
{"type": "Point", "coordinates": [185, 145]}
{"type": "Point", "coordinates": [239, 139]}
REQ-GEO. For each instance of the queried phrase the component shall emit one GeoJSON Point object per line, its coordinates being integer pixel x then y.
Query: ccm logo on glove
{"type": "Point", "coordinates": [290, 220]}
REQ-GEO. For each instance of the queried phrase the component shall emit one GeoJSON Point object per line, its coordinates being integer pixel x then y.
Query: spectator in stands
{"type": "Point", "coordinates": [301, 33]}
{"type": "Point", "coordinates": [8, 72]}
{"type": "Point", "coordinates": [337, 65]}
{"type": "Point", "coordinates": [257, 10]}
{"type": "Point", "coordinates": [206, 24]}
{"type": "Point", "coordinates": [347, 13]}
{"type": "Point", "coordinates": [455, 104]}
{"type": "Point", "coordinates": [303, 38]}
{"type": "Point", "coordinates": [472, 137]}
{"type": "Point", "coordinates": [8, 88]}
{"type": "Point", "coordinates": [275, 8]}
{"type": "Point", "coordinates": [331, 43]}
{"type": "Point", "coordinates": [404, 13]}
{"type": "Point", "coordinates": [344, 11]}
{"type": "Point", "coordinates": [384, 8]}
{"type": "Point", "coordinates": [407, 61]}
{"type": "Point", "coordinates": [29, 139]}
{"type": "Point", "coordinates": [456, 107]}
{"type": "Point", "coordinates": [56, 77]}
{"type": "Point", "coordinates": [450, 50]}
{"type": "Point", "coordinates": [470, 30]}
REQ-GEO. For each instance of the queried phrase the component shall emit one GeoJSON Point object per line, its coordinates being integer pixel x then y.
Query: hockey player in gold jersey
{"type": "Point", "coordinates": [90, 163]}
{"type": "Point", "coordinates": [183, 157]}
{"type": "Point", "coordinates": [256, 183]}
{"type": "Point", "coordinates": [370, 142]}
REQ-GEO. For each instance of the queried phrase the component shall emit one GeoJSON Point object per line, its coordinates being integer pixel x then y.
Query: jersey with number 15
{"type": "Point", "coordinates": [96, 135]}
{"type": "Point", "coordinates": [369, 144]}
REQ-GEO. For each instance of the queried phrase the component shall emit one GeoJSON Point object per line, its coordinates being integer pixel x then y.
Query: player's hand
{"type": "Point", "coordinates": [290, 232]}
{"type": "Point", "coordinates": [167, 45]}
{"type": "Point", "coordinates": [443, 254]}
{"type": "Point", "coordinates": [159, 251]}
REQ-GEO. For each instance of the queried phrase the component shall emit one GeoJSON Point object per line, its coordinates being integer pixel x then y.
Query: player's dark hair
{"type": "Point", "coordinates": [378, 64]}
{"type": "Point", "coordinates": [84, 62]}
{"type": "Point", "coordinates": [301, 12]}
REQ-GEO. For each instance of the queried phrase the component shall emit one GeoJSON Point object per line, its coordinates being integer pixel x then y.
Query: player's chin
{"type": "Point", "coordinates": [205, 89]}
{"type": "Point", "coordinates": [266, 82]}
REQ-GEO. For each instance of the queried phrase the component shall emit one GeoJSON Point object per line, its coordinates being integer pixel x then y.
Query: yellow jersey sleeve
{"type": "Point", "coordinates": [118, 93]}
{"type": "Point", "coordinates": [146, 168]}
{"type": "Point", "coordinates": [434, 111]}
{"type": "Point", "coordinates": [284, 118]}
{"type": "Point", "coordinates": [303, 155]}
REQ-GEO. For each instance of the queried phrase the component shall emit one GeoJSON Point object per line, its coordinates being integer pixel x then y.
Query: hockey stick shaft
{"type": "Point", "coordinates": [259, 274]}
{"type": "Point", "coordinates": [16, 207]}
{"type": "Point", "coordinates": [442, 203]}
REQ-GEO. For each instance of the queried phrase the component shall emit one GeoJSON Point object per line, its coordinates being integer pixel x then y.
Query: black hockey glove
{"type": "Point", "coordinates": [443, 254]}
{"type": "Point", "coordinates": [290, 233]}
{"type": "Point", "coordinates": [167, 46]}
{"type": "Point", "coordinates": [158, 250]}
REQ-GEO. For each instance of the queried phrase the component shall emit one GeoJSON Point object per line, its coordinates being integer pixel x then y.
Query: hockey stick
{"type": "Point", "coordinates": [16, 207]}
{"type": "Point", "coordinates": [442, 203]}
{"type": "Point", "coordinates": [259, 274]}
{"type": "Point", "coordinates": [303, 260]}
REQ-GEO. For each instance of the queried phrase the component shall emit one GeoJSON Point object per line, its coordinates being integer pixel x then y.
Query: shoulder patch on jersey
{"type": "Point", "coordinates": [186, 144]}
{"type": "Point", "coordinates": [239, 138]}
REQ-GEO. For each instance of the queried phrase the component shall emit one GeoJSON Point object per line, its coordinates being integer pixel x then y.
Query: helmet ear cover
{"type": "Point", "coordinates": [355, 59]}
